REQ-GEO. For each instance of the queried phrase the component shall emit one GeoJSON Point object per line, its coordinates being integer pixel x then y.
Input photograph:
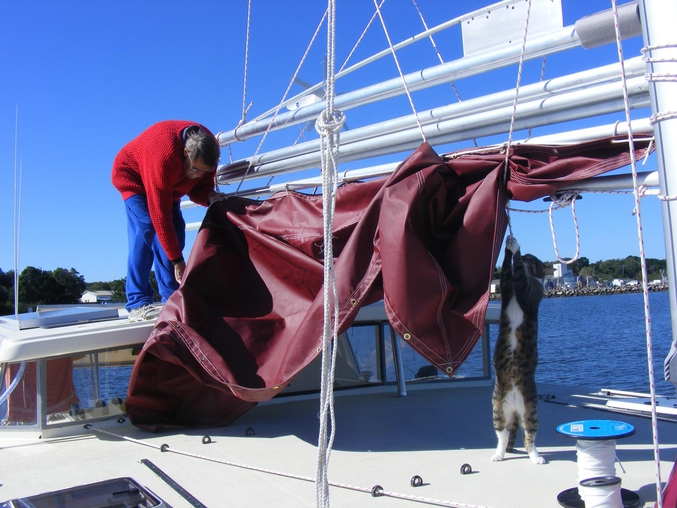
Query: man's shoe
{"type": "Point", "coordinates": [148, 312]}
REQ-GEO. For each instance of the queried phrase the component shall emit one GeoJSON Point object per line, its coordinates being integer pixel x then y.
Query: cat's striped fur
{"type": "Point", "coordinates": [515, 398]}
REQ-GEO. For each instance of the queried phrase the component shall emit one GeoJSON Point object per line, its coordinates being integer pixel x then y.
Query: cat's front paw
{"type": "Point", "coordinates": [498, 457]}
{"type": "Point", "coordinates": [511, 244]}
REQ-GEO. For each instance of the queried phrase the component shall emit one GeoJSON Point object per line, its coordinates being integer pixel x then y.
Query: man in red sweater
{"type": "Point", "coordinates": [153, 172]}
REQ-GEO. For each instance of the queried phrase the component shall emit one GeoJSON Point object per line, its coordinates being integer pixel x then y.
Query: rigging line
{"type": "Point", "coordinates": [359, 40]}
{"type": "Point", "coordinates": [367, 490]}
{"type": "Point", "coordinates": [399, 69]}
{"type": "Point", "coordinates": [437, 52]}
{"type": "Point", "coordinates": [377, 56]}
{"type": "Point", "coordinates": [520, 67]}
{"type": "Point", "coordinates": [280, 105]}
{"type": "Point", "coordinates": [246, 65]}
{"type": "Point", "coordinates": [640, 239]}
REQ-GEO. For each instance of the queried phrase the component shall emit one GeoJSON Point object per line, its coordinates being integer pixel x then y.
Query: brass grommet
{"type": "Point", "coordinates": [353, 302]}
{"type": "Point", "coordinates": [449, 369]}
{"type": "Point", "coordinates": [406, 336]}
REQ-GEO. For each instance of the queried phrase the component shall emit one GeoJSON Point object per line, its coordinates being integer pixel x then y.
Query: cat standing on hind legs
{"type": "Point", "coordinates": [515, 399]}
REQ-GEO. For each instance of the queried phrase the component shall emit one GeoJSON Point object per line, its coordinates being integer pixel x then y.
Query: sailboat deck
{"type": "Point", "coordinates": [381, 439]}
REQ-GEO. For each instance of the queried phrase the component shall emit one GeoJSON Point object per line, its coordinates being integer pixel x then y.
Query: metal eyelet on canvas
{"type": "Point", "coordinates": [164, 447]}
{"type": "Point", "coordinates": [406, 336]}
{"type": "Point", "coordinates": [449, 369]}
{"type": "Point", "coordinates": [206, 440]}
{"type": "Point", "coordinates": [376, 491]}
{"type": "Point", "coordinates": [466, 469]}
{"type": "Point", "coordinates": [249, 431]}
{"type": "Point", "coordinates": [416, 481]}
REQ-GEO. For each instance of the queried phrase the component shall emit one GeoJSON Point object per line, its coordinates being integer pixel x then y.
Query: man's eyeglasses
{"type": "Point", "coordinates": [200, 171]}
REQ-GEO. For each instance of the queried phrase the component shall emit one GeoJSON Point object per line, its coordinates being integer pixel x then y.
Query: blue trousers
{"type": "Point", "coordinates": [145, 250]}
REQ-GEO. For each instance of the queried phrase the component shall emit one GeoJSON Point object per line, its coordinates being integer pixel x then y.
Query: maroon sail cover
{"type": "Point", "coordinates": [249, 313]}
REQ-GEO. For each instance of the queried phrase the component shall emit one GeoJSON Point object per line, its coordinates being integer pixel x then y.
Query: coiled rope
{"type": "Point", "coordinates": [596, 459]}
{"type": "Point", "coordinates": [373, 491]}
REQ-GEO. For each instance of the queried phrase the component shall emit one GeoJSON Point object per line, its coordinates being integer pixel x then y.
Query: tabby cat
{"type": "Point", "coordinates": [515, 398]}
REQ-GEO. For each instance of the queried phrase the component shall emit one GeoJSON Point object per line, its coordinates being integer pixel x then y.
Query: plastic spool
{"type": "Point", "coordinates": [601, 492]}
{"type": "Point", "coordinates": [596, 458]}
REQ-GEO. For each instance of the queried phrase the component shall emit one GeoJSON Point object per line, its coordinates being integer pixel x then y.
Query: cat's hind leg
{"type": "Point", "coordinates": [506, 436]}
{"type": "Point", "coordinates": [503, 436]}
{"type": "Point", "coordinates": [512, 430]}
{"type": "Point", "coordinates": [530, 425]}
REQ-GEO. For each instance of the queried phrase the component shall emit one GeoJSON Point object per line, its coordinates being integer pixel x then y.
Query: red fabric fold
{"type": "Point", "coordinates": [249, 313]}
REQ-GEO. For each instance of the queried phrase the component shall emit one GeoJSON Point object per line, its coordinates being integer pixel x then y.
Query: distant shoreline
{"type": "Point", "coordinates": [585, 291]}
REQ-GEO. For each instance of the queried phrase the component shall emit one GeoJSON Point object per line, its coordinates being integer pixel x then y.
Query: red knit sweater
{"type": "Point", "coordinates": [152, 165]}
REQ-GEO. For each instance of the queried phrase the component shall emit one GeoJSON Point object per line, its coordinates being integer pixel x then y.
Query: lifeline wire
{"type": "Point", "coordinates": [367, 490]}
{"type": "Point", "coordinates": [640, 239]}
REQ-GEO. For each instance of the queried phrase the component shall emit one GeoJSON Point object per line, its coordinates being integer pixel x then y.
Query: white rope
{"type": "Point", "coordinates": [399, 69]}
{"type": "Point", "coordinates": [520, 67]}
{"type": "Point", "coordinates": [660, 77]}
{"type": "Point", "coordinates": [640, 239]}
{"type": "Point", "coordinates": [596, 459]}
{"type": "Point", "coordinates": [561, 201]}
{"type": "Point", "coordinates": [328, 125]}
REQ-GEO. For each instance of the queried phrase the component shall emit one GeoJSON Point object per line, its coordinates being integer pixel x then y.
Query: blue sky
{"type": "Point", "coordinates": [87, 77]}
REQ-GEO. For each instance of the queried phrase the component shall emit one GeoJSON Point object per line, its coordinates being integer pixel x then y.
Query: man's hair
{"type": "Point", "coordinates": [201, 144]}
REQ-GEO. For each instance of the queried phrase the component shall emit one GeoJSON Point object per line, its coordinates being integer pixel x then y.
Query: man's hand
{"type": "Point", "coordinates": [179, 268]}
{"type": "Point", "coordinates": [216, 196]}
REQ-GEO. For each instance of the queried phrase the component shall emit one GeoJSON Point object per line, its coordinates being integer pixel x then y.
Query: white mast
{"type": "Point", "coordinates": [658, 29]}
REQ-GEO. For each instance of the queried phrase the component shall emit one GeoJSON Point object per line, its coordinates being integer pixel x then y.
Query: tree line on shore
{"type": "Point", "coordinates": [629, 268]}
{"type": "Point", "coordinates": [55, 287]}
{"type": "Point", "coordinates": [62, 286]}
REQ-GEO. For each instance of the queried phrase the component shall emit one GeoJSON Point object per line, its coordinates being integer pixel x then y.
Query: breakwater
{"type": "Point", "coordinates": [593, 291]}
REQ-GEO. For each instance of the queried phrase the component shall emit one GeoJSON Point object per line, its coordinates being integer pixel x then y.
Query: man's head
{"type": "Point", "coordinates": [202, 152]}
